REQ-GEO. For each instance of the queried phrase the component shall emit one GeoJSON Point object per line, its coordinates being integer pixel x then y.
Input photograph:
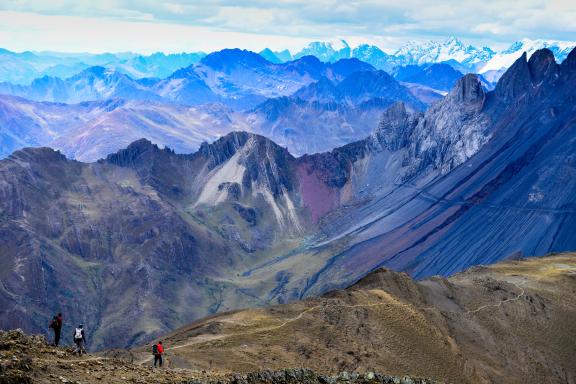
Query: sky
{"type": "Point", "coordinates": [147, 26]}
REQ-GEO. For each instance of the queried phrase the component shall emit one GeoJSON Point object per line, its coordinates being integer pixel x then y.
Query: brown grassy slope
{"type": "Point", "coordinates": [512, 322]}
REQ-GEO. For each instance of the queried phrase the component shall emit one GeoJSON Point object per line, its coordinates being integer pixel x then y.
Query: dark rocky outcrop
{"type": "Point", "coordinates": [542, 65]}
{"type": "Point", "coordinates": [515, 81]}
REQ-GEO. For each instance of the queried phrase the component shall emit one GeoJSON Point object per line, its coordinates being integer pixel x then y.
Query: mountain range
{"type": "Point", "coordinates": [232, 89]}
{"type": "Point", "coordinates": [238, 78]}
{"type": "Point", "coordinates": [452, 51]}
{"type": "Point", "coordinates": [478, 177]}
{"type": "Point", "coordinates": [200, 103]}
{"type": "Point", "coordinates": [325, 115]}
{"type": "Point", "coordinates": [22, 68]}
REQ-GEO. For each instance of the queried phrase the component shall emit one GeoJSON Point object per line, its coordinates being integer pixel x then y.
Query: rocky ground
{"type": "Point", "coordinates": [29, 359]}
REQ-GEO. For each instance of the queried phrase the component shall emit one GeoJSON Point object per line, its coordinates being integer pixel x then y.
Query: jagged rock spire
{"type": "Point", "coordinates": [515, 80]}
{"type": "Point", "coordinates": [468, 89]}
{"type": "Point", "coordinates": [525, 74]}
{"type": "Point", "coordinates": [542, 64]}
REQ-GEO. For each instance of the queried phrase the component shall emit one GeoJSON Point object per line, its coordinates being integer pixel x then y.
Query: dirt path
{"type": "Point", "coordinates": [91, 358]}
{"type": "Point", "coordinates": [499, 304]}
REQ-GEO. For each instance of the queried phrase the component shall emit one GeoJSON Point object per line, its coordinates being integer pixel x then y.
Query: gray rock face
{"type": "Point", "coordinates": [446, 135]}
{"type": "Point", "coordinates": [452, 130]}
{"type": "Point", "coordinates": [468, 91]}
{"type": "Point", "coordinates": [396, 127]}
{"type": "Point", "coordinates": [524, 75]}
{"type": "Point", "coordinates": [542, 65]}
{"type": "Point", "coordinates": [306, 376]}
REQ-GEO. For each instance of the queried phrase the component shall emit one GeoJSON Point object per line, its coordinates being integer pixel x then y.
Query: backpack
{"type": "Point", "coordinates": [78, 334]}
{"type": "Point", "coordinates": [155, 349]}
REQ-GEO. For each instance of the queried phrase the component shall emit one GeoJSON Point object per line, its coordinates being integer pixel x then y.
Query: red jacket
{"type": "Point", "coordinates": [160, 349]}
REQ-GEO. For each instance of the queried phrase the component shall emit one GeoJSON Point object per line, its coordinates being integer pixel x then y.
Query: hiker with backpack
{"type": "Point", "coordinates": [157, 351]}
{"type": "Point", "coordinates": [80, 340]}
{"type": "Point", "coordinates": [56, 326]}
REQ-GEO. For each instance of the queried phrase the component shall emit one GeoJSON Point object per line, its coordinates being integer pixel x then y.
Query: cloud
{"type": "Point", "coordinates": [292, 22]}
{"type": "Point", "coordinates": [26, 31]}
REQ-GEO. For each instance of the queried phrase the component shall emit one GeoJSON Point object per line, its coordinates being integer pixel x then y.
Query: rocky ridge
{"type": "Point", "coordinates": [27, 359]}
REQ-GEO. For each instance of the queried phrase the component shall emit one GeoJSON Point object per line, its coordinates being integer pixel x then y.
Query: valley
{"type": "Point", "coordinates": [480, 176]}
{"type": "Point", "coordinates": [505, 323]}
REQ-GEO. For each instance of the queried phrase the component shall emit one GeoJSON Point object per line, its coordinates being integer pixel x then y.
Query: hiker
{"type": "Point", "coordinates": [56, 327]}
{"type": "Point", "coordinates": [157, 351]}
{"type": "Point", "coordinates": [80, 340]}
{"type": "Point", "coordinates": [59, 320]}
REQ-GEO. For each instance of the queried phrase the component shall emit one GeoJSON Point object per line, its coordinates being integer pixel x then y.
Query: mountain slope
{"type": "Point", "coordinates": [25, 123]}
{"type": "Point", "coordinates": [507, 323]}
{"type": "Point", "coordinates": [471, 190]}
{"type": "Point", "coordinates": [91, 130]}
{"type": "Point", "coordinates": [326, 115]}
{"type": "Point", "coordinates": [33, 360]}
{"type": "Point", "coordinates": [436, 76]}
{"type": "Point", "coordinates": [184, 230]}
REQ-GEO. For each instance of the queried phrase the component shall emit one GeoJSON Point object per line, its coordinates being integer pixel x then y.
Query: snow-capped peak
{"type": "Point", "coordinates": [438, 51]}
{"type": "Point", "coordinates": [506, 58]}
{"type": "Point", "coordinates": [326, 50]}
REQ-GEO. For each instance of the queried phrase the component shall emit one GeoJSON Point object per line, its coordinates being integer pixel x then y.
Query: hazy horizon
{"type": "Point", "coordinates": [146, 27]}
